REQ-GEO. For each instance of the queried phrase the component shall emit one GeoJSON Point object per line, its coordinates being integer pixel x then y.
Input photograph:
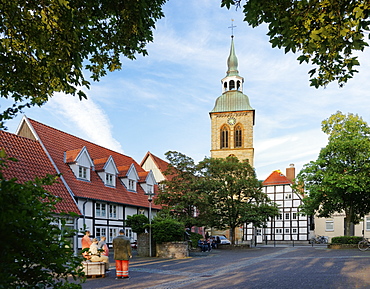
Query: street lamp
{"type": "Point", "coordinates": [150, 195]}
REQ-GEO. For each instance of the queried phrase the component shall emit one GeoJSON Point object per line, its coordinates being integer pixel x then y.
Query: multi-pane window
{"type": "Point", "coordinates": [132, 185]}
{"type": "Point", "coordinates": [294, 231]}
{"type": "Point", "coordinates": [82, 172]}
{"type": "Point", "coordinates": [224, 137]}
{"type": "Point", "coordinates": [287, 215]}
{"type": "Point", "coordinates": [329, 225]}
{"type": "Point", "coordinates": [279, 231]}
{"type": "Point", "coordinates": [279, 217]}
{"type": "Point", "coordinates": [128, 233]}
{"type": "Point", "coordinates": [112, 234]}
{"type": "Point", "coordinates": [113, 211]}
{"type": "Point", "coordinates": [294, 217]}
{"type": "Point", "coordinates": [109, 179]}
{"type": "Point", "coordinates": [287, 231]}
{"type": "Point", "coordinates": [100, 232]}
{"type": "Point", "coordinates": [367, 223]}
{"type": "Point", "coordinates": [100, 210]}
{"type": "Point", "coordinates": [238, 136]}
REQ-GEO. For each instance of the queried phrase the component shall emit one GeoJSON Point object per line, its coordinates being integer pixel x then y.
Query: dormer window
{"type": "Point", "coordinates": [80, 163]}
{"type": "Point", "coordinates": [107, 170]}
{"type": "Point", "coordinates": [132, 185]}
{"type": "Point", "coordinates": [82, 173]}
{"type": "Point", "coordinates": [109, 179]}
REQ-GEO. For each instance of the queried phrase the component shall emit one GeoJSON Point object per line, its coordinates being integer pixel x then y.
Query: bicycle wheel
{"type": "Point", "coordinates": [363, 245]}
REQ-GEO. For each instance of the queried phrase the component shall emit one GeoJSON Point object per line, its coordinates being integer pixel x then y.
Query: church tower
{"type": "Point", "coordinates": [232, 117]}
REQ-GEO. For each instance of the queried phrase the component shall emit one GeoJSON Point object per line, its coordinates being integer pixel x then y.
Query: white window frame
{"type": "Point", "coordinates": [294, 217]}
{"type": "Point", "coordinates": [112, 211]}
{"type": "Point", "coordinates": [132, 185]}
{"type": "Point", "coordinates": [100, 210]}
{"type": "Point", "coordinates": [329, 225]}
{"type": "Point", "coordinates": [367, 223]}
{"type": "Point", "coordinates": [279, 231]}
{"type": "Point", "coordinates": [279, 217]}
{"type": "Point", "coordinates": [82, 172]}
{"type": "Point", "coordinates": [129, 234]}
{"type": "Point", "coordinates": [113, 232]}
{"type": "Point", "coordinates": [100, 232]}
{"type": "Point", "coordinates": [287, 216]}
{"type": "Point", "coordinates": [109, 179]}
{"type": "Point", "coordinates": [294, 230]}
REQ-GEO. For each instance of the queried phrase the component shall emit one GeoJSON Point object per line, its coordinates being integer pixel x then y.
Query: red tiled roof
{"type": "Point", "coordinates": [57, 142]}
{"type": "Point", "coordinates": [276, 178]}
{"type": "Point", "coordinates": [33, 162]}
{"type": "Point", "coordinates": [100, 163]}
{"type": "Point", "coordinates": [142, 176]}
{"type": "Point", "coordinates": [122, 171]}
{"type": "Point", "coordinates": [72, 155]}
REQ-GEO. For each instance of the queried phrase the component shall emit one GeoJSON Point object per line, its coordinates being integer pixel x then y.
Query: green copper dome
{"type": "Point", "coordinates": [232, 101]}
{"type": "Point", "coordinates": [232, 98]}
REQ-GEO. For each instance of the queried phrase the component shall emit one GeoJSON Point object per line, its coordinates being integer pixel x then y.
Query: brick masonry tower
{"type": "Point", "coordinates": [232, 117]}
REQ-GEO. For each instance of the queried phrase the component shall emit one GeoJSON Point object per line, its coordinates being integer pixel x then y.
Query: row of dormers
{"type": "Point", "coordinates": [82, 166]}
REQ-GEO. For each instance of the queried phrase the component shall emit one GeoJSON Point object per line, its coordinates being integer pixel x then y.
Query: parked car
{"type": "Point", "coordinates": [223, 240]}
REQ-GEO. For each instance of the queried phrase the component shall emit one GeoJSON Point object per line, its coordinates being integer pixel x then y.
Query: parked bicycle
{"type": "Point", "coordinates": [319, 240]}
{"type": "Point", "coordinates": [364, 244]}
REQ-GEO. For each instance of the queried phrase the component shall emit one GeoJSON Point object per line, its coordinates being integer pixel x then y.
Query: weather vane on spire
{"type": "Point", "coordinates": [232, 28]}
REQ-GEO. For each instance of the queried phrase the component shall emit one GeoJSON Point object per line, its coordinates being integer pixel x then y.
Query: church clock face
{"type": "Point", "coordinates": [231, 121]}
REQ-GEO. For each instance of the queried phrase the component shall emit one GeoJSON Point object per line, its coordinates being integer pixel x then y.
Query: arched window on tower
{"type": "Point", "coordinates": [232, 85]}
{"type": "Point", "coordinates": [238, 136]}
{"type": "Point", "coordinates": [238, 85]}
{"type": "Point", "coordinates": [224, 137]}
{"type": "Point", "coordinates": [225, 86]}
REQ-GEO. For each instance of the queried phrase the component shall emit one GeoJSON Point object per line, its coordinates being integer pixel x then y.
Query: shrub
{"type": "Point", "coordinates": [167, 230]}
{"type": "Point", "coordinates": [194, 238]}
{"type": "Point", "coordinates": [138, 223]}
{"type": "Point", "coordinates": [346, 240]}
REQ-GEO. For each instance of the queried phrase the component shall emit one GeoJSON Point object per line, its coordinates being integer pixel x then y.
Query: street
{"type": "Point", "coordinates": [262, 267]}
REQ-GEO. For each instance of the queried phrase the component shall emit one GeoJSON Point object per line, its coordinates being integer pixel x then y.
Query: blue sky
{"type": "Point", "coordinates": [161, 102]}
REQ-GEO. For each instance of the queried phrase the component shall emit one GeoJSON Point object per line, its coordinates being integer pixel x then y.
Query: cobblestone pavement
{"type": "Point", "coordinates": [261, 267]}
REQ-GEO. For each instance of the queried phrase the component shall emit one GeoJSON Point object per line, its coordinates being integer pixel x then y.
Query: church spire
{"type": "Point", "coordinates": [232, 80]}
{"type": "Point", "coordinates": [232, 61]}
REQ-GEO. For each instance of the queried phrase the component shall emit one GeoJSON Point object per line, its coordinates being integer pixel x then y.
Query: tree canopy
{"type": "Point", "coordinates": [234, 195]}
{"type": "Point", "coordinates": [177, 194]}
{"type": "Point", "coordinates": [218, 193]}
{"type": "Point", "coordinates": [48, 46]}
{"type": "Point", "coordinates": [138, 223]}
{"type": "Point", "coordinates": [36, 253]}
{"type": "Point", "coordinates": [327, 33]}
{"type": "Point", "coordinates": [338, 181]}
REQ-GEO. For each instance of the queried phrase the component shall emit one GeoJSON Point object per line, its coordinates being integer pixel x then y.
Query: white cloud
{"type": "Point", "coordinates": [89, 117]}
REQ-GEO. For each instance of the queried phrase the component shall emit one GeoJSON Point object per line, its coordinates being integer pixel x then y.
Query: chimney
{"type": "Point", "coordinates": [290, 172]}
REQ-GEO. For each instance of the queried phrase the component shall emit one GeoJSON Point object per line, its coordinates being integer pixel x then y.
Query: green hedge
{"type": "Point", "coordinates": [167, 230]}
{"type": "Point", "coordinates": [346, 240]}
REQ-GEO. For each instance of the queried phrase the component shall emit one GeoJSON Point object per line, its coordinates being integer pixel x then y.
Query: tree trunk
{"type": "Point", "coordinates": [348, 222]}
{"type": "Point", "coordinates": [232, 235]}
